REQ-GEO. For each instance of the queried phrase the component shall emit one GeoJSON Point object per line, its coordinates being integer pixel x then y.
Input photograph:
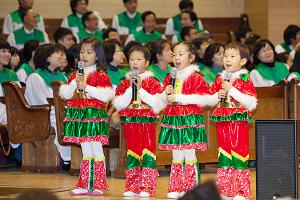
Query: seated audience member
{"type": "Point", "coordinates": [74, 20]}
{"type": "Point", "coordinates": [64, 37]}
{"type": "Point", "coordinates": [90, 22]}
{"type": "Point", "coordinates": [250, 42]}
{"type": "Point", "coordinates": [174, 24]}
{"type": "Point", "coordinates": [213, 62]}
{"type": "Point", "coordinates": [114, 57]}
{"type": "Point", "coordinates": [15, 60]}
{"type": "Point", "coordinates": [267, 71]}
{"type": "Point", "coordinates": [188, 19]}
{"type": "Point", "coordinates": [148, 34]}
{"type": "Point", "coordinates": [161, 57]}
{"type": "Point", "coordinates": [20, 36]}
{"type": "Point", "coordinates": [13, 20]}
{"type": "Point", "coordinates": [201, 44]}
{"type": "Point", "coordinates": [72, 59]}
{"type": "Point", "coordinates": [111, 33]}
{"type": "Point", "coordinates": [5, 75]}
{"type": "Point", "coordinates": [47, 60]}
{"type": "Point", "coordinates": [27, 66]}
{"type": "Point", "coordinates": [295, 67]}
{"type": "Point", "coordinates": [128, 21]}
{"type": "Point", "coordinates": [291, 38]}
{"type": "Point", "coordinates": [243, 34]}
{"type": "Point", "coordinates": [204, 191]}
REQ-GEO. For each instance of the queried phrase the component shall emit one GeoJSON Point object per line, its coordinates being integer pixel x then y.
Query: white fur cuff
{"type": "Point", "coordinates": [104, 94]}
{"type": "Point", "coordinates": [154, 101]}
{"type": "Point", "coordinates": [250, 102]}
{"type": "Point", "coordinates": [122, 101]}
{"type": "Point", "coordinates": [199, 100]}
{"type": "Point", "coordinates": [66, 91]}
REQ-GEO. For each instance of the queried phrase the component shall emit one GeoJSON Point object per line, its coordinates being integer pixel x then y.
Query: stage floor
{"type": "Point", "coordinates": [14, 182]}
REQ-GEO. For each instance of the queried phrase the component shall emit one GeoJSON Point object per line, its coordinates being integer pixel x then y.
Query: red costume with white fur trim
{"type": "Point", "coordinates": [233, 134]}
{"type": "Point", "coordinates": [140, 132]}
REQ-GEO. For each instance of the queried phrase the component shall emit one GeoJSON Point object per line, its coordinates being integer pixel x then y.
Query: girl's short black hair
{"type": "Point", "coordinates": [29, 47]}
{"type": "Point", "coordinates": [186, 5]}
{"type": "Point", "coordinates": [98, 48]}
{"type": "Point", "coordinates": [107, 31]}
{"type": "Point", "coordinates": [295, 67]}
{"type": "Point", "coordinates": [73, 4]}
{"type": "Point", "coordinates": [157, 47]}
{"type": "Point", "coordinates": [258, 46]}
{"type": "Point", "coordinates": [210, 51]}
{"type": "Point", "coordinates": [4, 44]}
{"type": "Point", "coordinates": [190, 48]}
{"type": "Point", "coordinates": [72, 55]}
{"type": "Point", "coordinates": [109, 48]}
{"type": "Point", "coordinates": [141, 48]}
{"type": "Point", "coordinates": [43, 52]}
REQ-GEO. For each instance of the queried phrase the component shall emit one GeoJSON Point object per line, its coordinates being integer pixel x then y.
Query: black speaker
{"type": "Point", "coordinates": [277, 159]}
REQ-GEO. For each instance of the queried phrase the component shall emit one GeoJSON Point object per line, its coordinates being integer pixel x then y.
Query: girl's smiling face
{"type": "Point", "coordinates": [88, 55]}
{"type": "Point", "coordinates": [182, 58]}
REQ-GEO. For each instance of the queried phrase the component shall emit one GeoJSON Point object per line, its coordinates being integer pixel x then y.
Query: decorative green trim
{"type": "Point", "coordinates": [148, 161]}
{"type": "Point", "coordinates": [234, 117]}
{"type": "Point", "coordinates": [132, 162]}
{"type": "Point", "coordinates": [142, 120]}
{"type": "Point", "coordinates": [245, 77]}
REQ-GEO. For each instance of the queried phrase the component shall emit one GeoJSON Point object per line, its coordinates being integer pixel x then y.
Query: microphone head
{"type": "Point", "coordinates": [173, 73]}
{"type": "Point", "coordinates": [228, 76]}
{"type": "Point", "coordinates": [80, 66]}
{"type": "Point", "coordinates": [134, 74]}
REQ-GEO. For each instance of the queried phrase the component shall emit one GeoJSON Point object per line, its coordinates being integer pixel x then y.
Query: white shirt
{"type": "Point", "coordinates": [121, 29]}
{"type": "Point", "coordinates": [74, 30]}
{"type": "Point", "coordinates": [279, 49]}
{"type": "Point", "coordinates": [9, 26]}
{"type": "Point", "coordinates": [12, 41]}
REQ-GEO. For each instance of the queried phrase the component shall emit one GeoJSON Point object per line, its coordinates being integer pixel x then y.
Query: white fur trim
{"type": "Point", "coordinates": [186, 72]}
{"type": "Point", "coordinates": [154, 101]}
{"type": "Point", "coordinates": [145, 74]}
{"type": "Point", "coordinates": [66, 91]}
{"type": "Point", "coordinates": [199, 100]}
{"type": "Point", "coordinates": [104, 94]}
{"type": "Point", "coordinates": [164, 98]}
{"type": "Point", "coordinates": [250, 102]}
{"type": "Point", "coordinates": [90, 69]}
{"type": "Point", "coordinates": [122, 101]}
{"type": "Point", "coordinates": [234, 75]}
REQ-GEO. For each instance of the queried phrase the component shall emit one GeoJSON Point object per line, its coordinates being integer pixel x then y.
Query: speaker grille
{"type": "Point", "coordinates": [276, 173]}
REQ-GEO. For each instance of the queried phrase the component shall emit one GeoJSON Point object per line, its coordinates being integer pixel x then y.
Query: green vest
{"type": "Point", "coordinates": [159, 74]}
{"type": "Point", "coordinates": [82, 34]}
{"type": "Point", "coordinates": [143, 38]}
{"type": "Point", "coordinates": [208, 72]}
{"type": "Point", "coordinates": [7, 75]}
{"type": "Point", "coordinates": [179, 39]}
{"type": "Point", "coordinates": [286, 47]}
{"type": "Point", "coordinates": [277, 73]}
{"type": "Point", "coordinates": [130, 23]}
{"type": "Point", "coordinates": [16, 17]}
{"type": "Point", "coordinates": [115, 76]}
{"type": "Point", "coordinates": [50, 77]}
{"type": "Point", "coordinates": [27, 68]}
{"type": "Point", "coordinates": [177, 24]}
{"type": "Point", "coordinates": [75, 21]}
{"type": "Point", "coordinates": [21, 37]}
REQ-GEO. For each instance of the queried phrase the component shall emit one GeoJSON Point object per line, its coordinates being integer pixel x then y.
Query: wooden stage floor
{"type": "Point", "coordinates": [14, 182]}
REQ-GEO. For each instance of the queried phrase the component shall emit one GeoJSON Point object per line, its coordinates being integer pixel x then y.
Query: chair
{"type": "Point", "coordinates": [30, 125]}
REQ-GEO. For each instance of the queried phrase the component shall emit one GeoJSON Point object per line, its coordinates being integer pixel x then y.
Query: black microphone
{"type": "Point", "coordinates": [173, 74]}
{"type": "Point", "coordinates": [134, 85]}
{"type": "Point", "coordinates": [227, 77]}
{"type": "Point", "coordinates": [80, 70]}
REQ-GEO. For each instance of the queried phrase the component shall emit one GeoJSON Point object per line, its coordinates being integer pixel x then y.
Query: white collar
{"type": "Point", "coordinates": [28, 31]}
{"type": "Point", "coordinates": [90, 69]}
{"type": "Point", "coordinates": [144, 75]}
{"type": "Point", "coordinates": [130, 15]}
{"type": "Point", "coordinates": [186, 72]}
{"type": "Point", "coordinates": [78, 15]}
{"type": "Point", "coordinates": [234, 75]}
{"type": "Point", "coordinates": [90, 31]}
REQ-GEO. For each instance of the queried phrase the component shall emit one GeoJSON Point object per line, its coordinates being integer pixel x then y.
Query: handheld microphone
{"type": "Point", "coordinates": [80, 70]}
{"type": "Point", "coordinates": [173, 74]}
{"type": "Point", "coordinates": [227, 77]}
{"type": "Point", "coordinates": [134, 85]}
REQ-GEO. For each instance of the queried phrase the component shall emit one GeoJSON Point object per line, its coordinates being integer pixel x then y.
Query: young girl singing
{"type": "Point", "coordinates": [86, 116]}
{"type": "Point", "coordinates": [182, 125]}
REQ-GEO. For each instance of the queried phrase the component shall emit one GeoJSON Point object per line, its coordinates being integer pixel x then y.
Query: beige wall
{"type": "Point", "coordinates": [107, 8]}
{"type": "Point", "coordinates": [269, 18]}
